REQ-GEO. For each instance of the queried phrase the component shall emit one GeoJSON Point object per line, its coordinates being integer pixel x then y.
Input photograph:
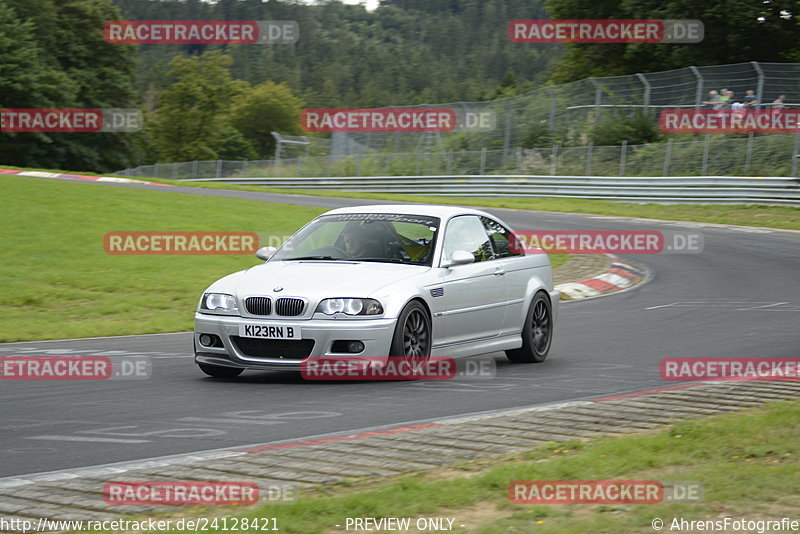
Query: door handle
{"type": "Point", "coordinates": [499, 271]}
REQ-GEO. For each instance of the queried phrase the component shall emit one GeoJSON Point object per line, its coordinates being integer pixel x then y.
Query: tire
{"type": "Point", "coordinates": [217, 371]}
{"type": "Point", "coordinates": [412, 335]}
{"type": "Point", "coordinates": [537, 332]}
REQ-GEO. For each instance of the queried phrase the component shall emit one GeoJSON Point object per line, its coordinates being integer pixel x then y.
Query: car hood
{"type": "Point", "coordinates": [321, 279]}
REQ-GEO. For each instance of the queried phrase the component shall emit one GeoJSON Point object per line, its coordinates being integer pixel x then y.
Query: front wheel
{"type": "Point", "coordinates": [537, 332]}
{"type": "Point", "coordinates": [218, 371]}
{"type": "Point", "coordinates": [412, 335]}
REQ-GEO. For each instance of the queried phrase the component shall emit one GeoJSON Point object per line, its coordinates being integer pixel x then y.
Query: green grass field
{"type": "Point", "coordinates": [60, 283]}
{"type": "Point", "coordinates": [781, 217]}
{"type": "Point", "coordinates": [748, 464]}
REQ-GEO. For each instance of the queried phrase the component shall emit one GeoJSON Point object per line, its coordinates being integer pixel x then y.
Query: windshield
{"type": "Point", "coordinates": [385, 238]}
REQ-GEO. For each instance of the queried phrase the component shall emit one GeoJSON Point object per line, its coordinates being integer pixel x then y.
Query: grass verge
{"type": "Point", "coordinates": [60, 283]}
{"type": "Point", "coordinates": [747, 463]}
{"type": "Point", "coordinates": [779, 217]}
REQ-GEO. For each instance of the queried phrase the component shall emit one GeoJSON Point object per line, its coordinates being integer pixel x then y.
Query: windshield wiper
{"type": "Point", "coordinates": [386, 260]}
{"type": "Point", "coordinates": [313, 258]}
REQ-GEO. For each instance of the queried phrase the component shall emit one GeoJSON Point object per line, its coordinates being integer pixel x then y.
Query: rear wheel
{"type": "Point", "coordinates": [412, 335]}
{"type": "Point", "coordinates": [218, 371]}
{"type": "Point", "coordinates": [537, 332]}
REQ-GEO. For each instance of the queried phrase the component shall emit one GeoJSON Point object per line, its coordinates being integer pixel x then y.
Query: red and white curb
{"type": "Point", "coordinates": [41, 174]}
{"type": "Point", "coordinates": [622, 275]}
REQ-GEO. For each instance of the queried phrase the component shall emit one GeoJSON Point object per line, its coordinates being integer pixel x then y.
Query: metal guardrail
{"type": "Point", "coordinates": [689, 189]}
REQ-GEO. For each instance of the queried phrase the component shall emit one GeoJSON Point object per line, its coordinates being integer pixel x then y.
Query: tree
{"type": "Point", "coordinates": [404, 52]}
{"type": "Point", "coordinates": [53, 55]}
{"type": "Point", "coordinates": [267, 108]}
{"type": "Point", "coordinates": [736, 31]}
{"type": "Point", "coordinates": [25, 82]}
{"type": "Point", "coordinates": [192, 114]}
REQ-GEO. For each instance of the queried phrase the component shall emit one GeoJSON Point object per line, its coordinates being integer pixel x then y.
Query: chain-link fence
{"type": "Point", "coordinates": [522, 121]}
{"type": "Point", "coordinates": [533, 120]}
{"type": "Point", "coordinates": [754, 155]}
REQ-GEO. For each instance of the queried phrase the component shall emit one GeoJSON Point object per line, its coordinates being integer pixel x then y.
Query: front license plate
{"type": "Point", "coordinates": [269, 331]}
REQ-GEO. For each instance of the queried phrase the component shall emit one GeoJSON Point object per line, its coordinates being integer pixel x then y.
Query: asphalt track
{"type": "Point", "coordinates": [739, 297]}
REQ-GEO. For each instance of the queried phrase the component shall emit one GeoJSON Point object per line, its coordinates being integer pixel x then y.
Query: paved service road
{"type": "Point", "coordinates": [740, 297]}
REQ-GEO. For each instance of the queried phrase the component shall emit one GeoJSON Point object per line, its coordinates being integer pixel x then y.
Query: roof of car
{"type": "Point", "coordinates": [411, 209]}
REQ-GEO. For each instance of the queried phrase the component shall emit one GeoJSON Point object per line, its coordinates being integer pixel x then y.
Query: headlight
{"type": "Point", "coordinates": [219, 302]}
{"type": "Point", "coordinates": [350, 306]}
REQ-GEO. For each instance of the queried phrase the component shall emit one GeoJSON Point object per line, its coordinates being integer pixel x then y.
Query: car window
{"type": "Point", "coordinates": [467, 233]}
{"type": "Point", "coordinates": [500, 237]}
{"type": "Point", "coordinates": [376, 237]}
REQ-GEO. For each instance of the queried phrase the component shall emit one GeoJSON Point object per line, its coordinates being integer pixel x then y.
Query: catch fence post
{"type": "Point", "coordinates": [623, 156]}
{"type": "Point", "coordinates": [706, 146]}
{"type": "Point", "coordinates": [589, 154]}
{"type": "Point", "coordinates": [667, 157]}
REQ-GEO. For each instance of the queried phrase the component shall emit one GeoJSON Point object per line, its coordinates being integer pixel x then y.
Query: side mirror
{"type": "Point", "coordinates": [459, 257]}
{"type": "Point", "coordinates": [265, 253]}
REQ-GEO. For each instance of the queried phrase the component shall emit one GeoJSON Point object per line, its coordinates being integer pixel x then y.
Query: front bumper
{"type": "Point", "coordinates": [376, 334]}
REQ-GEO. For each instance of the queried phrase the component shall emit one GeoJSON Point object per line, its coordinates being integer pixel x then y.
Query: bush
{"type": "Point", "coordinates": [637, 129]}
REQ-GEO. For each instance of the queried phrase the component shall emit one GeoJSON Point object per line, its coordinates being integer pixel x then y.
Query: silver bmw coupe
{"type": "Point", "coordinates": [410, 281]}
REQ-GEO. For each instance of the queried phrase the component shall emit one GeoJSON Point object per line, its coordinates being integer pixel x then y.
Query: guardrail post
{"type": "Point", "coordinates": [219, 168]}
{"type": "Point", "coordinates": [194, 169]}
{"type": "Point", "coordinates": [244, 165]}
{"type": "Point", "coordinates": [760, 84]}
{"type": "Point", "coordinates": [706, 145]}
{"type": "Point", "coordinates": [795, 154]}
{"type": "Point", "coordinates": [667, 157]}
{"type": "Point", "coordinates": [483, 160]}
{"type": "Point", "coordinates": [623, 157]}
{"type": "Point", "coordinates": [589, 152]}
{"type": "Point", "coordinates": [698, 97]}
{"type": "Point", "coordinates": [748, 157]}
{"type": "Point", "coordinates": [157, 170]}
{"type": "Point", "coordinates": [554, 162]}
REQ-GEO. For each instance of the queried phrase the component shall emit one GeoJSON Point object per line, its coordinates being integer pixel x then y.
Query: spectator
{"type": "Point", "coordinates": [713, 101]}
{"type": "Point", "coordinates": [725, 98]}
{"type": "Point", "coordinates": [778, 103]}
{"type": "Point", "coordinates": [750, 99]}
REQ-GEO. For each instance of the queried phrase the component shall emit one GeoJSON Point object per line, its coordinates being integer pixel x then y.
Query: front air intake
{"type": "Point", "coordinates": [258, 305]}
{"type": "Point", "coordinates": [289, 307]}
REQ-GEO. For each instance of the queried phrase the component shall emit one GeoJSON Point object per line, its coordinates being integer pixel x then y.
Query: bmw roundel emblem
{"type": "Point", "coordinates": [279, 288]}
